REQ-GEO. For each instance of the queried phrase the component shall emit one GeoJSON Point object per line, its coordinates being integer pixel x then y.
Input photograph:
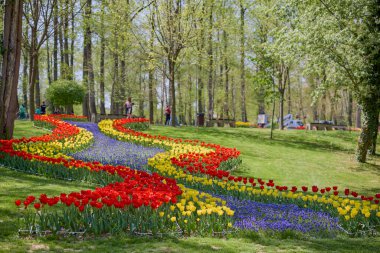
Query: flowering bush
{"type": "Point", "coordinates": [242, 124]}
{"type": "Point", "coordinates": [245, 124]}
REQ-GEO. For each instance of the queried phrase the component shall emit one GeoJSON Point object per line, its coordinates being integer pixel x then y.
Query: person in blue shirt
{"type": "Point", "coordinates": [38, 110]}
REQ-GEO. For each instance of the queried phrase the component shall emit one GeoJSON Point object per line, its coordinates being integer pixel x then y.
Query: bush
{"type": "Point", "coordinates": [65, 93]}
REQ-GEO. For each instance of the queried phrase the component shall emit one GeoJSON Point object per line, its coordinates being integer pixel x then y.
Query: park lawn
{"type": "Point", "coordinates": [293, 157]}
{"type": "Point", "coordinates": [15, 185]}
{"type": "Point", "coordinates": [25, 128]}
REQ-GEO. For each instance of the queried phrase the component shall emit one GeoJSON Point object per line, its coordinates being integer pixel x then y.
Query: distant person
{"type": "Point", "coordinates": [22, 112]}
{"type": "Point", "coordinates": [38, 110]}
{"type": "Point", "coordinates": [167, 114]}
{"type": "Point", "coordinates": [43, 108]}
{"type": "Point", "coordinates": [128, 107]}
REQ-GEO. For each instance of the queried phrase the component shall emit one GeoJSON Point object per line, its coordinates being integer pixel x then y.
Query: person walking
{"type": "Point", "coordinates": [167, 115]}
{"type": "Point", "coordinates": [43, 108]}
{"type": "Point", "coordinates": [128, 107]}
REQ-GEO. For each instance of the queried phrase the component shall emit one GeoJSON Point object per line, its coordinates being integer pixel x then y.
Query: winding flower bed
{"type": "Point", "coordinates": [205, 167]}
{"type": "Point", "coordinates": [159, 202]}
{"type": "Point", "coordinates": [130, 200]}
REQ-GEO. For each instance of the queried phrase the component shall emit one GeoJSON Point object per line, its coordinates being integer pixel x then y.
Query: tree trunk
{"type": "Point", "coordinates": [115, 83]}
{"type": "Point", "coordinates": [33, 71]}
{"type": "Point", "coordinates": [172, 90]}
{"type": "Point", "coordinates": [151, 109]}
{"type": "Point", "coordinates": [163, 91]}
{"type": "Point", "coordinates": [375, 130]}
{"type": "Point", "coordinates": [151, 71]}
{"type": "Point", "coordinates": [48, 62]}
{"type": "Point", "coordinates": [12, 36]}
{"type": "Point", "coordinates": [25, 80]}
{"type": "Point", "coordinates": [349, 109]}
{"type": "Point", "coordinates": [55, 45]}
{"type": "Point", "coordinates": [281, 125]}
{"type": "Point", "coordinates": [101, 88]}
{"type": "Point", "coordinates": [61, 51]}
{"type": "Point", "coordinates": [233, 98]}
{"type": "Point", "coordinates": [141, 93]}
{"type": "Point", "coordinates": [88, 45]}
{"type": "Point", "coordinates": [358, 123]}
{"type": "Point", "coordinates": [122, 93]}
{"type": "Point", "coordinates": [370, 122]}
{"type": "Point", "coordinates": [72, 39]}
{"type": "Point", "coordinates": [85, 104]}
{"type": "Point", "coordinates": [226, 84]}
{"type": "Point", "coordinates": [323, 107]}
{"type": "Point", "coordinates": [190, 100]}
{"type": "Point", "coordinates": [210, 69]}
{"type": "Point", "coordinates": [66, 53]}
{"type": "Point", "coordinates": [37, 84]}
{"type": "Point", "coordinates": [289, 95]}
{"type": "Point", "coordinates": [242, 65]}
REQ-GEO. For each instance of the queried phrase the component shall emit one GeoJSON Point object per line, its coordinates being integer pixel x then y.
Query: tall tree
{"type": "Point", "coordinates": [38, 15]}
{"type": "Point", "coordinates": [243, 106]}
{"type": "Point", "coordinates": [210, 57]}
{"type": "Point", "coordinates": [89, 79]}
{"type": "Point", "coordinates": [174, 21]}
{"type": "Point", "coordinates": [151, 69]}
{"type": "Point", "coordinates": [102, 59]}
{"type": "Point", "coordinates": [10, 53]}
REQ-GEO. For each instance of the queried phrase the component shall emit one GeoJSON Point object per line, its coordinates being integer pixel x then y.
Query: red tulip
{"type": "Point", "coordinates": [18, 202]}
{"type": "Point", "coordinates": [37, 205]}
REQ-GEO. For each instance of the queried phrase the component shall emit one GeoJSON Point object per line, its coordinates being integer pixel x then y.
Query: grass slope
{"type": "Point", "coordinates": [15, 185]}
{"type": "Point", "coordinates": [292, 157]}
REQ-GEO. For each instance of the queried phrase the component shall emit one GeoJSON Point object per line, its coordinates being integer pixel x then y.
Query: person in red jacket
{"type": "Point", "coordinates": [167, 114]}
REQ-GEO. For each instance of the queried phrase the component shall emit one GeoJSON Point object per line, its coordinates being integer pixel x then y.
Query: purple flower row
{"type": "Point", "coordinates": [110, 151]}
{"type": "Point", "coordinates": [251, 215]}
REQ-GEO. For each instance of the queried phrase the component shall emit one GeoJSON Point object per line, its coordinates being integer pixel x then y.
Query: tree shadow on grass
{"type": "Point", "coordinates": [367, 167]}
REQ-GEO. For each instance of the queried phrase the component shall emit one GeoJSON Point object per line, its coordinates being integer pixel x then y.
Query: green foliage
{"type": "Point", "coordinates": [65, 92]}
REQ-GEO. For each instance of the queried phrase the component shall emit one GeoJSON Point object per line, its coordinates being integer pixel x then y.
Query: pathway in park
{"type": "Point", "coordinates": [110, 151]}
{"type": "Point", "coordinates": [249, 214]}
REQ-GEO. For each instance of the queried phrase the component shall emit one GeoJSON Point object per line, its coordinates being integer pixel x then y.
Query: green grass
{"type": "Point", "coordinates": [24, 128]}
{"type": "Point", "coordinates": [292, 158]}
